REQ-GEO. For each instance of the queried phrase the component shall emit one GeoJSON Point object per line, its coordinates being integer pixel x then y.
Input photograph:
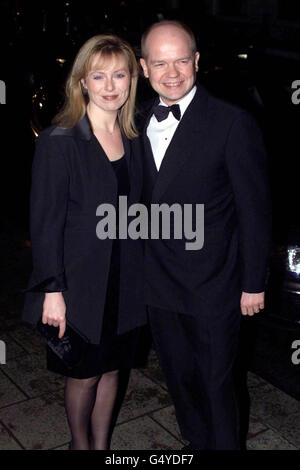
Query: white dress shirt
{"type": "Point", "coordinates": [160, 133]}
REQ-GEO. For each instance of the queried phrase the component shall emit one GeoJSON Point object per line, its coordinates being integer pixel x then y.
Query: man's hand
{"type": "Point", "coordinates": [54, 311]}
{"type": "Point", "coordinates": [252, 303]}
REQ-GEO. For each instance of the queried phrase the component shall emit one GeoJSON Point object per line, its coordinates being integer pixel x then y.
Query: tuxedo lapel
{"type": "Point", "coordinates": [149, 159]}
{"type": "Point", "coordinates": [127, 144]}
{"type": "Point", "coordinates": [189, 137]}
{"type": "Point", "coordinates": [150, 166]}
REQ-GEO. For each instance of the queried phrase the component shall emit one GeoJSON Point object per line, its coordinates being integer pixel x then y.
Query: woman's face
{"type": "Point", "coordinates": [108, 82]}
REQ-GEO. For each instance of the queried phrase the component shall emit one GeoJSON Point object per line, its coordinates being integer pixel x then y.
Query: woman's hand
{"type": "Point", "coordinates": [54, 311]}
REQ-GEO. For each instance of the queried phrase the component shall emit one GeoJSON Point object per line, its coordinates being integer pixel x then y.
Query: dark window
{"type": "Point", "coordinates": [289, 10]}
{"type": "Point", "coordinates": [232, 7]}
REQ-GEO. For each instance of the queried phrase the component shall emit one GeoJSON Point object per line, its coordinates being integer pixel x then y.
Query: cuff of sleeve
{"type": "Point", "coordinates": [253, 288]}
{"type": "Point", "coordinates": [52, 284]}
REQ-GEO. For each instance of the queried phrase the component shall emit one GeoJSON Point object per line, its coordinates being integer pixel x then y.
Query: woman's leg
{"type": "Point", "coordinates": [102, 413]}
{"type": "Point", "coordinates": [80, 395]}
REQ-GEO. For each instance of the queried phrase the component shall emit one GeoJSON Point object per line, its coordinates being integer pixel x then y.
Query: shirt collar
{"type": "Point", "coordinates": [185, 101]}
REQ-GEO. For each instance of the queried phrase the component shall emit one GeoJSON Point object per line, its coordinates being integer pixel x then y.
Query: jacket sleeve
{"type": "Point", "coordinates": [48, 208]}
{"type": "Point", "coordinates": [247, 167]}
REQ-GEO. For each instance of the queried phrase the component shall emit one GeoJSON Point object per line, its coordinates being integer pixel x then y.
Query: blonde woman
{"type": "Point", "coordinates": [89, 156]}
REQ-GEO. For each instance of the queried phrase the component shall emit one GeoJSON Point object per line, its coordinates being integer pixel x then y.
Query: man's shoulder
{"type": "Point", "coordinates": [227, 116]}
{"type": "Point", "coordinates": [220, 106]}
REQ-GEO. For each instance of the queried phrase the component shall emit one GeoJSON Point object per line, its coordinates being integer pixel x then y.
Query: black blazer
{"type": "Point", "coordinates": [71, 176]}
{"type": "Point", "coordinates": [216, 158]}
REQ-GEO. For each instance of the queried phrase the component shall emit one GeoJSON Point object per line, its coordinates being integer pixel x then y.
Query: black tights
{"type": "Point", "coordinates": [89, 406]}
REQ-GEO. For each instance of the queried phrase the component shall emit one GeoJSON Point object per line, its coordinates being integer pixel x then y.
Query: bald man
{"type": "Point", "coordinates": [201, 150]}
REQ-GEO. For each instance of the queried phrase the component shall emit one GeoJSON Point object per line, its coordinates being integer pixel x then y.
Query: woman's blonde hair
{"type": "Point", "coordinates": [74, 108]}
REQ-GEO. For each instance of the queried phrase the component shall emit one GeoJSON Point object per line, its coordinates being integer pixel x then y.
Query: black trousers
{"type": "Point", "coordinates": [197, 357]}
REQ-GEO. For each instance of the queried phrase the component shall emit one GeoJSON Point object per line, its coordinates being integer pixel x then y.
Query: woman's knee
{"type": "Point", "coordinates": [83, 384]}
{"type": "Point", "coordinates": [110, 375]}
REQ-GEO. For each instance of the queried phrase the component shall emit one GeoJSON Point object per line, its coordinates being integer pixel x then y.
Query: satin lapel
{"type": "Point", "coordinates": [107, 177]}
{"type": "Point", "coordinates": [149, 159]}
{"type": "Point", "coordinates": [83, 128]}
{"type": "Point", "coordinates": [128, 149]}
{"type": "Point", "coordinates": [150, 166]}
{"type": "Point", "coordinates": [189, 137]}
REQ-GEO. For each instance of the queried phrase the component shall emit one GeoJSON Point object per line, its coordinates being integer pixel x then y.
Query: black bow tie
{"type": "Point", "coordinates": [162, 112]}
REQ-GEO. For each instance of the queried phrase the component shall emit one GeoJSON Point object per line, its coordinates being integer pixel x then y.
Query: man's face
{"type": "Point", "coordinates": [170, 64]}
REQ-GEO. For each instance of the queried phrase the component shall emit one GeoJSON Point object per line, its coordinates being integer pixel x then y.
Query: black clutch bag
{"type": "Point", "coordinates": [70, 348]}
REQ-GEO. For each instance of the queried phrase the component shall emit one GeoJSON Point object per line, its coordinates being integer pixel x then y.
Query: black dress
{"type": "Point", "coordinates": [114, 351]}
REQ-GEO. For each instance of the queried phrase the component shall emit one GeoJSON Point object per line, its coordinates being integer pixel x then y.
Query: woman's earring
{"type": "Point", "coordinates": [83, 89]}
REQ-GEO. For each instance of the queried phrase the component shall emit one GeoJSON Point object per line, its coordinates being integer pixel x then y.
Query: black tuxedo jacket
{"type": "Point", "coordinates": [216, 158]}
{"type": "Point", "coordinates": [71, 177]}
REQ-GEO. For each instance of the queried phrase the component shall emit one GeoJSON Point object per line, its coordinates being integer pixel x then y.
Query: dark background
{"type": "Point", "coordinates": [250, 55]}
{"type": "Point", "coordinates": [35, 36]}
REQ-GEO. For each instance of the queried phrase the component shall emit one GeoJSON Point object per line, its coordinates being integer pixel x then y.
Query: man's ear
{"type": "Point", "coordinates": [197, 57]}
{"type": "Point", "coordinates": [144, 67]}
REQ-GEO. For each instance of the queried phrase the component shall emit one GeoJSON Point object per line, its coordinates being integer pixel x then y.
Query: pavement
{"type": "Point", "coordinates": [32, 415]}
